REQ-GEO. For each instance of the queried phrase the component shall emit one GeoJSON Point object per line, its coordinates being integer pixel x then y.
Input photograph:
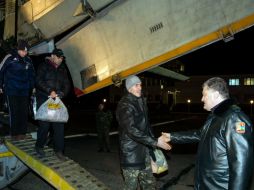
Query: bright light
{"type": "Point", "coordinates": [188, 101]}
{"type": "Point", "coordinates": [162, 87]}
{"type": "Point", "coordinates": [251, 102]}
{"type": "Point", "coordinates": [104, 100]}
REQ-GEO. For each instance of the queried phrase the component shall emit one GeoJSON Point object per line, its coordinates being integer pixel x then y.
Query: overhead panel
{"type": "Point", "coordinates": [9, 24]}
{"type": "Point", "coordinates": [53, 17]}
{"type": "Point", "coordinates": [34, 9]}
{"type": "Point", "coordinates": [138, 35]}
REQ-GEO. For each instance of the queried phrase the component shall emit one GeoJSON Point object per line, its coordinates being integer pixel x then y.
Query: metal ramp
{"type": "Point", "coordinates": [64, 175]}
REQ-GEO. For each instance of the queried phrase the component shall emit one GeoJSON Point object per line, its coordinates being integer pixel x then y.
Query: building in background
{"type": "Point", "coordinates": [157, 86]}
{"type": "Point", "coordinates": [240, 87]}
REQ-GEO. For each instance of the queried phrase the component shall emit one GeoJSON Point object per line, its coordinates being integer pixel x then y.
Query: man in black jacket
{"type": "Point", "coordinates": [225, 152]}
{"type": "Point", "coordinates": [51, 81]}
{"type": "Point", "coordinates": [136, 138]}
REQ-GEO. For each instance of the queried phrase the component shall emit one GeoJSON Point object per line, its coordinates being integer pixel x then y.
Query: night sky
{"type": "Point", "coordinates": [233, 57]}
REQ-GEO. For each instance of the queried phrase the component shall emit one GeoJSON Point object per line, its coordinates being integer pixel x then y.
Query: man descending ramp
{"type": "Point", "coordinates": [64, 175]}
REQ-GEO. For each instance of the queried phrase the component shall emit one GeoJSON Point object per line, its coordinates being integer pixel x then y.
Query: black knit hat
{"type": "Point", "coordinates": [22, 45]}
{"type": "Point", "coordinates": [58, 53]}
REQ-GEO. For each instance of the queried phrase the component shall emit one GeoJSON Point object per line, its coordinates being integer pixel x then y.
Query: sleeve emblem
{"type": "Point", "coordinates": [240, 127]}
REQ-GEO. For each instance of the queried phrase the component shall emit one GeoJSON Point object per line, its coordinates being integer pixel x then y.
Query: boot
{"type": "Point", "coordinates": [40, 151]}
{"type": "Point", "coordinates": [60, 156]}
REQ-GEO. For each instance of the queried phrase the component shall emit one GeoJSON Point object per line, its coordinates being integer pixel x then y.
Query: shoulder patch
{"type": "Point", "coordinates": [240, 127]}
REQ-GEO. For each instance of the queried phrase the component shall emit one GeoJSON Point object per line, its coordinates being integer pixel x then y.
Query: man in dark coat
{"type": "Point", "coordinates": [17, 78]}
{"type": "Point", "coordinates": [136, 138]}
{"type": "Point", "coordinates": [51, 81]}
{"type": "Point", "coordinates": [225, 152]}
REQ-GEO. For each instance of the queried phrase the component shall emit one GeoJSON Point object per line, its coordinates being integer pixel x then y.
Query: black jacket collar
{"type": "Point", "coordinates": [222, 107]}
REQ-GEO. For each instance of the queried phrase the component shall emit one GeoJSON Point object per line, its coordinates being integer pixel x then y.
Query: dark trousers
{"type": "Point", "coordinates": [103, 138]}
{"type": "Point", "coordinates": [58, 135]}
{"type": "Point", "coordinates": [18, 112]}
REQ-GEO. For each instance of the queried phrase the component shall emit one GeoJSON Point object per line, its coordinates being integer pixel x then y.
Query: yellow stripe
{"type": "Point", "coordinates": [6, 154]}
{"type": "Point", "coordinates": [212, 37]}
{"type": "Point", "coordinates": [48, 174]}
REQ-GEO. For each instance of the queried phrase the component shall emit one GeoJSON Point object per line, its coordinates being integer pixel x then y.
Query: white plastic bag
{"type": "Point", "coordinates": [33, 106]}
{"type": "Point", "coordinates": [53, 110]}
{"type": "Point", "coordinates": [160, 165]}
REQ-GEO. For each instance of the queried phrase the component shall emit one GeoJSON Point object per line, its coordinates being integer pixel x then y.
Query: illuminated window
{"type": "Point", "coordinates": [234, 82]}
{"type": "Point", "coordinates": [249, 81]}
{"type": "Point", "coordinates": [182, 68]}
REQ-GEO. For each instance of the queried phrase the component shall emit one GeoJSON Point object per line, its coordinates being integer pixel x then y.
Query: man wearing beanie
{"type": "Point", "coordinates": [17, 78]}
{"type": "Point", "coordinates": [136, 138]}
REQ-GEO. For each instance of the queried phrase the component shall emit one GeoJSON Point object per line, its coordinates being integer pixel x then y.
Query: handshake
{"type": "Point", "coordinates": [163, 141]}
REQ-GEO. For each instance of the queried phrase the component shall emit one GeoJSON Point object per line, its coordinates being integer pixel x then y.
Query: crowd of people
{"type": "Point", "coordinates": [225, 151]}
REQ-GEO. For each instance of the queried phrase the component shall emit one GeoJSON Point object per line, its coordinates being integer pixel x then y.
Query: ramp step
{"type": "Point", "coordinates": [64, 175]}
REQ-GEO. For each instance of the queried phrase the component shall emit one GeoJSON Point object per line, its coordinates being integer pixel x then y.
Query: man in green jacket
{"type": "Point", "coordinates": [103, 123]}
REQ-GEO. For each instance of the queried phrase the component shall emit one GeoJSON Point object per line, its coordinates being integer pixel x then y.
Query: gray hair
{"type": "Point", "coordinates": [217, 84]}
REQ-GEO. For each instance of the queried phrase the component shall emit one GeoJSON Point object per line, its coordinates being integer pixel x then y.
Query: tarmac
{"type": "Point", "coordinates": [105, 166]}
{"type": "Point", "coordinates": [81, 146]}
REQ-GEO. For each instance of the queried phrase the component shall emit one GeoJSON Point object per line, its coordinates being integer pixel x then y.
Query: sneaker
{"type": "Point", "coordinates": [40, 151]}
{"type": "Point", "coordinates": [60, 156]}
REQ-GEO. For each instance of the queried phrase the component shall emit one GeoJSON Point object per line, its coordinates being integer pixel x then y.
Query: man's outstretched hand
{"type": "Point", "coordinates": [163, 142]}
